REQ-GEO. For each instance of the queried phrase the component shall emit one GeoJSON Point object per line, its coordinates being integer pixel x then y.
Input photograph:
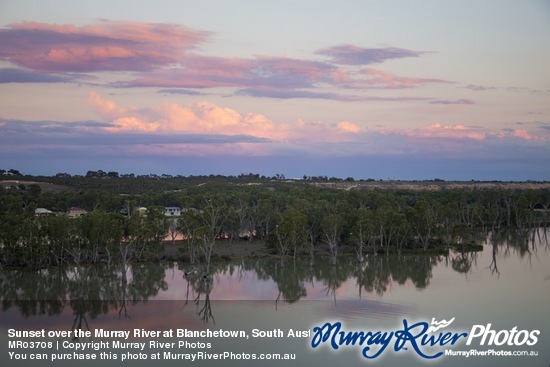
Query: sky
{"type": "Point", "coordinates": [411, 90]}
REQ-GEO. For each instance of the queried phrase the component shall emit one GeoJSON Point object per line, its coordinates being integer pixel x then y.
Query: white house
{"type": "Point", "coordinates": [42, 211]}
{"type": "Point", "coordinates": [172, 211]}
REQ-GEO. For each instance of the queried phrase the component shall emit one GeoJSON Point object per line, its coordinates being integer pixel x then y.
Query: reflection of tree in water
{"type": "Point", "coordinates": [45, 289]}
{"type": "Point", "coordinates": [522, 243]}
{"type": "Point", "coordinates": [290, 281]}
{"type": "Point", "coordinates": [334, 274]}
{"type": "Point", "coordinates": [88, 291]}
{"type": "Point", "coordinates": [462, 262]}
{"type": "Point", "coordinates": [290, 278]}
{"type": "Point", "coordinates": [80, 320]}
{"type": "Point", "coordinates": [201, 286]}
{"type": "Point", "coordinates": [373, 274]}
{"type": "Point", "coordinates": [377, 273]}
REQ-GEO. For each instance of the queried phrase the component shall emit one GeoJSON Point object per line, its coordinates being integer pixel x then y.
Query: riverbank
{"type": "Point", "coordinates": [236, 250]}
{"type": "Point", "coordinates": [222, 250]}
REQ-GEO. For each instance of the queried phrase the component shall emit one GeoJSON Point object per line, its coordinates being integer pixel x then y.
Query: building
{"type": "Point", "coordinates": [42, 211]}
{"type": "Point", "coordinates": [172, 211]}
{"type": "Point", "coordinates": [75, 212]}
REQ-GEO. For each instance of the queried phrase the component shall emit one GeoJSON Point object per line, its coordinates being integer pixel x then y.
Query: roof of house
{"type": "Point", "coordinates": [42, 211]}
{"type": "Point", "coordinates": [75, 209]}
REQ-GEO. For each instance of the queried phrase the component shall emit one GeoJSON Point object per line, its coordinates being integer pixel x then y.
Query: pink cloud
{"type": "Point", "coordinates": [340, 76]}
{"type": "Point", "coordinates": [438, 131]}
{"type": "Point", "coordinates": [275, 75]}
{"type": "Point", "coordinates": [521, 134]}
{"type": "Point", "coordinates": [106, 46]}
{"type": "Point", "coordinates": [166, 56]}
{"type": "Point", "coordinates": [450, 131]}
{"type": "Point", "coordinates": [207, 118]}
{"type": "Point", "coordinates": [348, 127]}
{"type": "Point", "coordinates": [253, 133]}
{"type": "Point", "coordinates": [105, 107]}
{"type": "Point", "coordinates": [210, 71]}
{"type": "Point", "coordinates": [201, 117]}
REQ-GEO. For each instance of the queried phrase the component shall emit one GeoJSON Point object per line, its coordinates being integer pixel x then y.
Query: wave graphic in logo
{"type": "Point", "coordinates": [439, 325]}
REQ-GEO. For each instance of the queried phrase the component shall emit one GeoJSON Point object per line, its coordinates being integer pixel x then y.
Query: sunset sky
{"type": "Point", "coordinates": [368, 89]}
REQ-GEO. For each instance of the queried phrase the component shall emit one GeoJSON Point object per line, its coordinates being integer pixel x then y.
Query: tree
{"type": "Point", "coordinates": [332, 229]}
{"type": "Point", "coordinates": [267, 215]}
{"type": "Point", "coordinates": [60, 232]}
{"type": "Point", "coordinates": [422, 218]}
{"type": "Point", "coordinates": [173, 229]}
{"type": "Point", "coordinates": [212, 218]}
{"type": "Point", "coordinates": [189, 222]}
{"type": "Point", "coordinates": [364, 232]}
{"type": "Point", "coordinates": [291, 232]}
{"type": "Point", "coordinates": [386, 225]}
{"type": "Point", "coordinates": [144, 234]}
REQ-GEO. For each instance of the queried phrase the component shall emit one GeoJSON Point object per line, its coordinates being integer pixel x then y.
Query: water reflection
{"type": "Point", "coordinates": [89, 291]}
{"type": "Point", "coordinates": [201, 285]}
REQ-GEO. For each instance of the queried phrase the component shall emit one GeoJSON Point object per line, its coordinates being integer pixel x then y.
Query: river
{"type": "Point", "coordinates": [507, 285]}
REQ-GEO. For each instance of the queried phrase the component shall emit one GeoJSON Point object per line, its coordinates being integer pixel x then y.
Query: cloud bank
{"type": "Point", "coordinates": [168, 56]}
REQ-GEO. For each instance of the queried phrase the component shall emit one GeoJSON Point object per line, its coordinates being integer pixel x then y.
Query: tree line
{"type": "Point", "coordinates": [294, 218]}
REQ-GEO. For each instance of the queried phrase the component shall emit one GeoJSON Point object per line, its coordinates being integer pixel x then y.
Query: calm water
{"type": "Point", "coordinates": [507, 284]}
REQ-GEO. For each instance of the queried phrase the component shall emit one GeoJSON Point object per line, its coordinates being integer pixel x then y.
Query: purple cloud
{"type": "Point", "coordinates": [353, 55]}
{"type": "Point", "coordinates": [210, 72]}
{"type": "Point", "coordinates": [476, 87]}
{"type": "Point", "coordinates": [92, 133]}
{"type": "Point", "coordinates": [160, 55]}
{"type": "Point", "coordinates": [185, 92]}
{"type": "Point", "coordinates": [106, 46]}
{"type": "Point", "coordinates": [13, 75]}
{"type": "Point", "coordinates": [292, 93]}
{"type": "Point", "coordinates": [453, 101]}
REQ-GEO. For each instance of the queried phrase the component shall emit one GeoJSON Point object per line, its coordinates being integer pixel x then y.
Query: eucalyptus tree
{"type": "Point", "coordinates": [10, 249]}
{"type": "Point", "coordinates": [60, 233]}
{"type": "Point", "coordinates": [314, 211]}
{"type": "Point", "coordinates": [386, 217]}
{"type": "Point", "coordinates": [252, 219]}
{"type": "Point", "coordinates": [173, 229]}
{"type": "Point", "coordinates": [364, 233]}
{"type": "Point", "coordinates": [267, 215]}
{"type": "Point", "coordinates": [212, 219]}
{"type": "Point", "coordinates": [30, 243]}
{"type": "Point", "coordinates": [100, 231]}
{"type": "Point", "coordinates": [332, 227]}
{"type": "Point", "coordinates": [423, 218]}
{"type": "Point", "coordinates": [494, 209]}
{"type": "Point", "coordinates": [188, 224]}
{"type": "Point", "coordinates": [144, 234]}
{"type": "Point", "coordinates": [403, 231]}
{"type": "Point", "coordinates": [291, 232]}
